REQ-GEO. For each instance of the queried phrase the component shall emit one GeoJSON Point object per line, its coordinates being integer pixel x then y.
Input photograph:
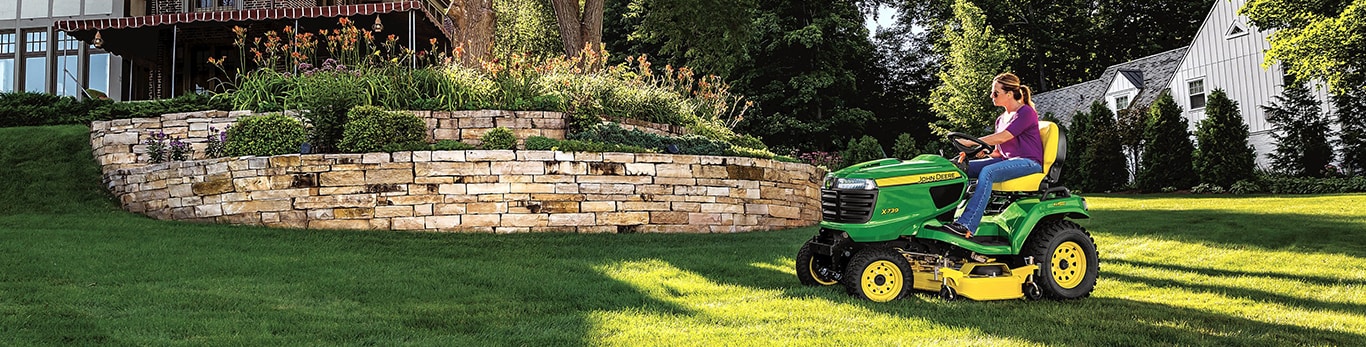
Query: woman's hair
{"type": "Point", "coordinates": [1011, 83]}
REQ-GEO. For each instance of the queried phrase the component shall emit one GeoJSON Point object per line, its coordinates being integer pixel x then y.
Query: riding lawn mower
{"type": "Point", "coordinates": [882, 231]}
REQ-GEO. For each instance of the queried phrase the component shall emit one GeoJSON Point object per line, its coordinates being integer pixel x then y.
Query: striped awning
{"type": "Point", "coordinates": [237, 16]}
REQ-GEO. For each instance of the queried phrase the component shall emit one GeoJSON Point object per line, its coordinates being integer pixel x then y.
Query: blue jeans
{"type": "Point", "coordinates": [988, 171]}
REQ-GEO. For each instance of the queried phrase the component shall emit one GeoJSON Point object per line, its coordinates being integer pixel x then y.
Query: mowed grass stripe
{"type": "Point", "coordinates": [1182, 270]}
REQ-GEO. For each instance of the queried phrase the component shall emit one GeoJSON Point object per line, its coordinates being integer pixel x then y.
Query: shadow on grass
{"type": "Point", "coordinates": [1090, 321]}
{"type": "Point", "coordinates": [1274, 231]}
{"type": "Point", "coordinates": [1309, 279]}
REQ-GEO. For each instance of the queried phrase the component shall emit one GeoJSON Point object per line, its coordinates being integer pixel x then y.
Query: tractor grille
{"type": "Point", "coordinates": [847, 206]}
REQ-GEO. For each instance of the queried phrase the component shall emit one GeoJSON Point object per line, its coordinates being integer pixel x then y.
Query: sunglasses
{"type": "Point", "coordinates": [992, 94]}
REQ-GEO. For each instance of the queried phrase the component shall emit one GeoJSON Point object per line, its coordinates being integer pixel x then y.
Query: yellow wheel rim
{"type": "Point", "coordinates": [1069, 265]}
{"type": "Point", "coordinates": [881, 281]}
{"type": "Point", "coordinates": [811, 266]}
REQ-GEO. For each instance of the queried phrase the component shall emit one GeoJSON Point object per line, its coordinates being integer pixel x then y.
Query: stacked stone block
{"type": "Point", "coordinates": [480, 191]}
{"type": "Point", "coordinates": [455, 191]}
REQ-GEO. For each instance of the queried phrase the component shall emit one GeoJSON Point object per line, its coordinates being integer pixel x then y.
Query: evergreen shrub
{"type": "Point", "coordinates": [370, 129]}
{"type": "Point", "coordinates": [265, 135]}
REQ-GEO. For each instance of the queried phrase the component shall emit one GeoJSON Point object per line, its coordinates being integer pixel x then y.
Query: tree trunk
{"type": "Point", "coordinates": [579, 29]}
{"type": "Point", "coordinates": [474, 21]}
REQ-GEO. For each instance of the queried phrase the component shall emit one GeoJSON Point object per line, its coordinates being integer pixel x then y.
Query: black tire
{"type": "Point", "coordinates": [815, 269]}
{"type": "Point", "coordinates": [879, 274]}
{"type": "Point", "coordinates": [1074, 246]}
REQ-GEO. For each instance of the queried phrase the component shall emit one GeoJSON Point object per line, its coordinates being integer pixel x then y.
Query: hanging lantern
{"type": "Point", "coordinates": [98, 41]}
{"type": "Point", "coordinates": [379, 26]}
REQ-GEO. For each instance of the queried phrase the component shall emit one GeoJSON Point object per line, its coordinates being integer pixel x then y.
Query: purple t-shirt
{"type": "Point", "coordinates": [1024, 125]}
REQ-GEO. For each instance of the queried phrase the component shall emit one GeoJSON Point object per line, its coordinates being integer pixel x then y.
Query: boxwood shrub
{"type": "Point", "coordinates": [267, 134]}
{"type": "Point", "coordinates": [499, 138]}
{"type": "Point", "coordinates": [370, 129]}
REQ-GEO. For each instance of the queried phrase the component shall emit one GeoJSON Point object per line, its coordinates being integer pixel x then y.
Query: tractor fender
{"type": "Point", "coordinates": [1073, 207]}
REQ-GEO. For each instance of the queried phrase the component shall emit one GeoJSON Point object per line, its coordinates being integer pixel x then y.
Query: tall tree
{"type": "Point", "coordinates": [474, 22]}
{"type": "Point", "coordinates": [1224, 157]}
{"type": "Point", "coordinates": [525, 26]}
{"type": "Point", "coordinates": [973, 54]}
{"type": "Point", "coordinates": [812, 73]}
{"type": "Point", "coordinates": [1167, 148]}
{"type": "Point", "coordinates": [1350, 108]}
{"type": "Point", "coordinates": [580, 27]}
{"type": "Point", "coordinates": [1104, 157]}
{"type": "Point", "coordinates": [708, 35]}
{"type": "Point", "coordinates": [1078, 136]}
{"type": "Point", "coordinates": [1323, 39]}
{"type": "Point", "coordinates": [907, 63]}
{"type": "Point", "coordinates": [1301, 133]}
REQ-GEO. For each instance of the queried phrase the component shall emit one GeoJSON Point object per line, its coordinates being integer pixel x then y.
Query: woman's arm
{"type": "Point", "coordinates": [993, 139]}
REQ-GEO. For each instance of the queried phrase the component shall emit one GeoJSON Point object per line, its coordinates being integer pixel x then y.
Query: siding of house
{"type": "Point", "coordinates": [1233, 64]}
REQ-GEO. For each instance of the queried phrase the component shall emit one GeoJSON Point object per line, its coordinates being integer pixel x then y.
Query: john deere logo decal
{"type": "Point", "coordinates": [918, 179]}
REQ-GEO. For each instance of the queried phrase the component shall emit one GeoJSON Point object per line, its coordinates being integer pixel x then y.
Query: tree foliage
{"type": "Point", "coordinates": [973, 54]}
{"type": "Point", "coordinates": [1350, 109]}
{"type": "Point", "coordinates": [1103, 160]}
{"type": "Point", "coordinates": [525, 26]}
{"type": "Point", "coordinates": [1167, 148]}
{"type": "Point", "coordinates": [1224, 155]}
{"type": "Point", "coordinates": [905, 147]}
{"type": "Point", "coordinates": [1078, 138]}
{"type": "Point", "coordinates": [1301, 133]}
{"type": "Point", "coordinates": [1322, 39]}
{"type": "Point", "coordinates": [710, 35]}
{"type": "Point", "coordinates": [863, 149]}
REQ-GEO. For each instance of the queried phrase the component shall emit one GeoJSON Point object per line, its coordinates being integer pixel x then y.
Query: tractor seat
{"type": "Point", "coordinates": [1054, 152]}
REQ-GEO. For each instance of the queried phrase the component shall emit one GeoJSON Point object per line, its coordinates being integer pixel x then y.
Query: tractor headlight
{"type": "Point", "coordinates": [1083, 205]}
{"type": "Point", "coordinates": [855, 183]}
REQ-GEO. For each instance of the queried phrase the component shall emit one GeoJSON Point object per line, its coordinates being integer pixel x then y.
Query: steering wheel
{"type": "Point", "coordinates": [968, 152]}
{"type": "Point", "coordinates": [982, 146]}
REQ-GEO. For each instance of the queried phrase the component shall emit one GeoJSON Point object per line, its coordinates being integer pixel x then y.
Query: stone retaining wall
{"type": "Point", "coordinates": [478, 191]}
{"type": "Point", "coordinates": [117, 143]}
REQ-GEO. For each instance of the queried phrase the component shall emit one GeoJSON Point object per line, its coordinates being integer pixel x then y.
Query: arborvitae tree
{"type": "Point", "coordinates": [861, 150]}
{"type": "Point", "coordinates": [1129, 128]}
{"type": "Point", "coordinates": [1106, 167]}
{"type": "Point", "coordinates": [1302, 147]}
{"type": "Point", "coordinates": [905, 147]}
{"type": "Point", "coordinates": [1224, 156]}
{"type": "Point", "coordinates": [1167, 148]}
{"type": "Point", "coordinates": [1351, 119]}
{"type": "Point", "coordinates": [1073, 172]}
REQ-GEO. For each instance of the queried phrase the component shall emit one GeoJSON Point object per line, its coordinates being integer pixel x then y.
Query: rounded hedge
{"type": "Point", "coordinates": [264, 135]}
{"type": "Point", "coordinates": [499, 138]}
{"type": "Point", "coordinates": [371, 129]}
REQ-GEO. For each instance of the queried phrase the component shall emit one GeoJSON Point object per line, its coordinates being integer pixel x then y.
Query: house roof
{"type": "Point", "coordinates": [1154, 70]}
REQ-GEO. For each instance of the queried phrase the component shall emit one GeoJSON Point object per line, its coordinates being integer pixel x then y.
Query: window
{"type": "Point", "coordinates": [214, 5]}
{"type": "Point", "coordinates": [8, 46]}
{"type": "Point", "coordinates": [68, 64]}
{"type": "Point", "coordinates": [1121, 102]}
{"type": "Point", "coordinates": [99, 72]}
{"type": "Point", "coordinates": [35, 61]}
{"type": "Point", "coordinates": [7, 43]}
{"type": "Point", "coordinates": [1235, 30]}
{"type": "Point", "coordinates": [1197, 93]}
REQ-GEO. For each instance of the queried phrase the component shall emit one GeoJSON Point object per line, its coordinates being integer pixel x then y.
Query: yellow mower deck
{"type": "Point", "coordinates": [1005, 286]}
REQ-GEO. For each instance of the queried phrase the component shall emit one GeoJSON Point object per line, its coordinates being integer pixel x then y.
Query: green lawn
{"type": "Point", "coordinates": [1183, 270]}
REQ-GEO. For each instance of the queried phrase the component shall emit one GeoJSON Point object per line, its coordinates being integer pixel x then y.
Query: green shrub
{"type": "Point", "coordinates": [1224, 156]}
{"type": "Point", "coordinates": [1106, 167]}
{"type": "Point", "coordinates": [1301, 131]}
{"type": "Point", "coordinates": [264, 135]}
{"type": "Point", "coordinates": [540, 143]}
{"type": "Point", "coordinates": [327, 96]}
{"type": "Point", "coordinates": [861, 150]}
{"type": "Point", "coordinates": [370, 128]}
{"type": "Point", "coordinates": [1206, 188]}
{"type": "Point", "coordinates": [452, 145]}
{"type": "Point", "coordinates": [905, 147]}
{"type": "Point", "coordinates": [1167, 148]}
{"type": "Point", "coordinates": [1245, 187]}
{"type": "Point", "coordinates": [406, 147]}
{"type": "Point", "coordinates": [749, 141]}
{"type": "Point", "coordinates": [499, 138]}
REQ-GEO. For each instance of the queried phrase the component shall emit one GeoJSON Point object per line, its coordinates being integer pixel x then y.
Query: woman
{"type": "Point", "coordinates": [1019, 149]}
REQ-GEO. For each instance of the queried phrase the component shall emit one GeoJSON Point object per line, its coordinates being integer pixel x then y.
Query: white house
{"type": "Point", "coordinates": [1227, 53]}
